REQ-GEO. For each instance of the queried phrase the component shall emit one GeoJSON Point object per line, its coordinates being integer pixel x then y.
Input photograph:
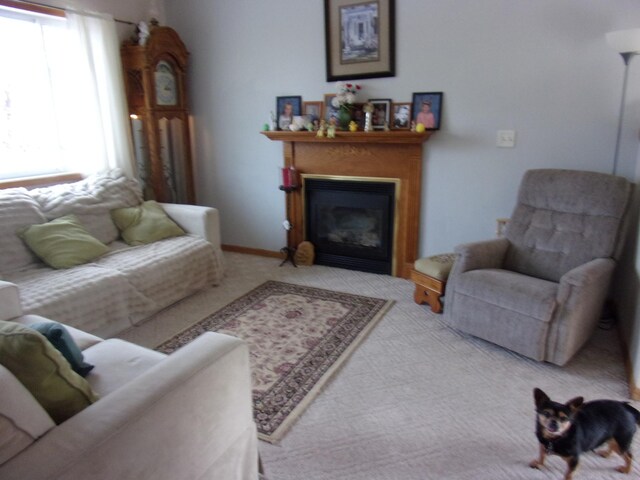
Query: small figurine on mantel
{"type": "Point", "coordinates": [386, 126]}
{"type": "Point", "coordinates": [274, 122]}
{"type": "Point", "coordinates": [353, 126]}
{"type": "Point", "coordinates": [321, 129]}
{"type": "Point", "coordinates": [413, 126]}
{"type": "Point", "coordinates": [331, 130]}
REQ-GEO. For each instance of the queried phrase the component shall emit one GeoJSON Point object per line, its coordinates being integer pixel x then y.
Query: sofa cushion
{"type": "Point", "coordinates": [61, 339]}
{"type": "Point", "coordinates": [83, 297]}
{"type": "Point", "coordinates": [43, 371]}
{"type": "Point", "coordinates": [146, 223]}
{"type": "Point", "coordinates": [91, 200]}
{"type": "Point", "coordinates": [63, 242]}
{"type": "Point", "coordinates": [120, 362]}
{"type": "Point", "coordinates": [166, 271]}
{"type": "Point", "coordinates": [22, 419]}
{"type": "Point", "coordinates": [17, 211]}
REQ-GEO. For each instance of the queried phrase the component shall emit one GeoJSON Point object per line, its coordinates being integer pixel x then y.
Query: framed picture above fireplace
{"type": "Point", "coordinates": [360, 39]}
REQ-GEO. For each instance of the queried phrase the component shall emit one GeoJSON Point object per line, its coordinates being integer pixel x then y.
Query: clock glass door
{"type": "Point", "coordinates": [166, 85]}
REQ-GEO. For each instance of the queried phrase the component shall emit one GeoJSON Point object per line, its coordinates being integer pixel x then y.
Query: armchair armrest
{"type": "Point", "coordinates": [197, 220]}
{"type": "Point", "coordinates": [186, 417]}
{"type": "Point", "coordinates": [581, 294]}
{"type": "Point", "coordinates": [10, 305]}
{"type": "Point", "coordinates": [484, 254]}
{"type": "Point", "coordinates": [587, 278]}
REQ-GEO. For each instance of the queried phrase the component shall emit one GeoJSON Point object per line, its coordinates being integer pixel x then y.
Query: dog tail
{"type": "Point", "coordinates": [633, 411]}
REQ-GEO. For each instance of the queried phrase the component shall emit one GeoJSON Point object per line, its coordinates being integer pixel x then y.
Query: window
{"type": "Point", "coordinates": [43, 130]}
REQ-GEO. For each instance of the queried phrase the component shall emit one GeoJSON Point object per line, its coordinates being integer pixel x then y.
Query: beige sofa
{"type": "Point", "coordinates": [122, 287]}
{"type": "Point", "coordinates": [183, 416]}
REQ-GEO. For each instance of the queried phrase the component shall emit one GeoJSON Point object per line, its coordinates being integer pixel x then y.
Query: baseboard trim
{"type": "Point", "coordinates": [252, 251]}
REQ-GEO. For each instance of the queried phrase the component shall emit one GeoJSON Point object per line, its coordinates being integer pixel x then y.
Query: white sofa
{"type": "Point", "coordinates": [183, 416]}
{"type": "Point", "coordinates": [121, 288]}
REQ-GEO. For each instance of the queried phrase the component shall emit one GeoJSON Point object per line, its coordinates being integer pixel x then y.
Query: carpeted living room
{"type": "Point", "coordinates": [318, 239]}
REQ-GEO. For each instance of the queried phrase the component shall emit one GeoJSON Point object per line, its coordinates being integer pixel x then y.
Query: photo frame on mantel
{"type": "Point", "coordinates": [360, 39]}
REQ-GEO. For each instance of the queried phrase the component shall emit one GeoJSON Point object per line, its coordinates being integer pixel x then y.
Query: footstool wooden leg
{"type": "Point", "coordinates": [423, 295]}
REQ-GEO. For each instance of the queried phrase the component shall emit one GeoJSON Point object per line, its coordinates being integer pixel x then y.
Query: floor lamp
{"type": "Point", "coordinates": [627, 44]}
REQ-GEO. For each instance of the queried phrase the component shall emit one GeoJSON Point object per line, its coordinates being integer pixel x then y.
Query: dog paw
{"type": "Point", "coordinates": [535, 464]}
{"type": "Point", "coordinates": [623, 469]}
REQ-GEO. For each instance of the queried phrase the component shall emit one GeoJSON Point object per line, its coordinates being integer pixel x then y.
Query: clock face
{"type": "Point", "coordinates": [166, 85]}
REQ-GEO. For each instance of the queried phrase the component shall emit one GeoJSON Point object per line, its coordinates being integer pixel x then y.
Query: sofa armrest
{"type": "Point", "coordinates": [188, 415]}
{"type": "Point", "coordinates": [10, 305]}
{"type": "Point", "coordinates": [197, 220]}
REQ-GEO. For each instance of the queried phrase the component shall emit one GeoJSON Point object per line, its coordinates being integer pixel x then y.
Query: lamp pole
{"type": "Point", "coordinates": [626, 58]}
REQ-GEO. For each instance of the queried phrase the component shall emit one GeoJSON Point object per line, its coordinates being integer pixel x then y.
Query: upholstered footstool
{"type": "Point", "coordinates": [430, 276]}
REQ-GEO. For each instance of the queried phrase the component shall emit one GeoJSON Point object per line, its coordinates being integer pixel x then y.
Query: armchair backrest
{"type": "Point", "coordinates": [563, 219]}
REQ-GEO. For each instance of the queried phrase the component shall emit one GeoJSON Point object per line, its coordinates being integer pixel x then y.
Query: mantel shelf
{"type": "Point", "coordinates": [397, 136]}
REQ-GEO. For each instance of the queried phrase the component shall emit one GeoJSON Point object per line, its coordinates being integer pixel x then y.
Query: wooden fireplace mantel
{"type": "Point", "coordinates": [389, 155]}
{"type": "Point", "coordinates": [400, 136]}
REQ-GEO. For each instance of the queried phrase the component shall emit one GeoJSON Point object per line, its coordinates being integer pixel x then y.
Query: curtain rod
{"type": "Point", "coordinates": [51, 8]}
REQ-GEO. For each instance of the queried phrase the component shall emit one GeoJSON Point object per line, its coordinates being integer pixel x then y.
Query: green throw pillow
{"type": "Point", "coordinates": [63, 242]}
{"type": "Point", "coordinates": [62, 340]}
{"type": "Point", "coordinates": [43, 371]}
{"type": "Point", "coordinates": [146, 223]}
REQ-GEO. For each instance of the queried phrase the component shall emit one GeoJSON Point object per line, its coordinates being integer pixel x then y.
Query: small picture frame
{"type": "Point", "coordinates": [381, 112]}
{"type": "Point", "coordinates": [427, 109]}
{"type": "Point", "coordinates": [328, 110]}
{"type": "Point", "coordinates": [400, 116]}
{"type": "Point", "coordinates": [313, 110]}
{"type": "Point", "coordinates": [286, 108]}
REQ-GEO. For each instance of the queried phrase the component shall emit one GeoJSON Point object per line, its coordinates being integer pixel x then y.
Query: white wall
{"type": "Point", "coordinates": [541, 67]}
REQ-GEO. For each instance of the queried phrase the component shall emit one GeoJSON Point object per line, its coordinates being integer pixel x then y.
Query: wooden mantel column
{"type": "Point", "coordinates": [386, 155]}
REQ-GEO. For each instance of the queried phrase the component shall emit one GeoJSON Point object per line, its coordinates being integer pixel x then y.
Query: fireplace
{"type": "Point", "coordinates": [350, 221]}
{"type": "Point", "coordinates": [391, 157]}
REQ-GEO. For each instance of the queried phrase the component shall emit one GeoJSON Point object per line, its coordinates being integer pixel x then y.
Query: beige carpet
{"type": "Point", "coordinates": [416, 400]}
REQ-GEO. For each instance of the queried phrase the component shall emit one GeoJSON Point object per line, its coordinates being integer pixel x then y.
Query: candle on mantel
{"type": "Point", "coordinates": [286, 177]}
{"type": "Point", "coordinates": [289, 177]}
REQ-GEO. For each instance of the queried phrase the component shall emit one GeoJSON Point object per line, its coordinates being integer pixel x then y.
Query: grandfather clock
{"type": "Point", "coordinates": [155, 80]}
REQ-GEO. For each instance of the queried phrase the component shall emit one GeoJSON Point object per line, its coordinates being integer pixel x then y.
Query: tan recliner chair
{"type": "Point", "coordinates": [539, 291]}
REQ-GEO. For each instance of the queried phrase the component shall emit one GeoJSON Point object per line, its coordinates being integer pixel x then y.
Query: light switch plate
{"type": "Point", "coordinates": [506, 139]}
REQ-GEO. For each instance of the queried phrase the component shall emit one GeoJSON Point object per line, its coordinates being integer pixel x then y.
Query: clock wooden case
{"type": "Point", "coordinates": [155, 80]}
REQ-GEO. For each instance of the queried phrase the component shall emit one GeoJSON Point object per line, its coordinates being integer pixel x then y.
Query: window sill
{"type": "Point", "coordinates": [41, 181]}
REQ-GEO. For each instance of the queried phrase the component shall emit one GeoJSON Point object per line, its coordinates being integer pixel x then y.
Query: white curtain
{"type": "Point", "coordinates": [102, 127]}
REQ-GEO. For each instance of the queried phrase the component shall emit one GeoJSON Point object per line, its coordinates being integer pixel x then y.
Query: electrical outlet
{"type": "Point", "coordinates": [506, 139]}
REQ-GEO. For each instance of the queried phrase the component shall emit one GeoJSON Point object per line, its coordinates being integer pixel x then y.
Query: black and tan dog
{"type": "Point", "coordinates": [572, 428]}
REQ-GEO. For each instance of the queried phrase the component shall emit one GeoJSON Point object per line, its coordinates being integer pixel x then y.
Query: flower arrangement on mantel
{"type": "Point", "coordinates": [344, 101]}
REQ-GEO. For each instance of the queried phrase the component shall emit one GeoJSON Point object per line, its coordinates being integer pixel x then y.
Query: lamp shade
{"type": "Point", "coordinates": [625, 41]}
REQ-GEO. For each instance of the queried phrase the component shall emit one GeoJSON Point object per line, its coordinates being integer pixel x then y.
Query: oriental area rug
{"type": "Point", "coordinates": [298, 338]}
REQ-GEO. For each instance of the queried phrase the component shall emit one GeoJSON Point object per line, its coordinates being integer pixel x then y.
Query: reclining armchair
{"type": "Point", "coordinates": [539, 291]}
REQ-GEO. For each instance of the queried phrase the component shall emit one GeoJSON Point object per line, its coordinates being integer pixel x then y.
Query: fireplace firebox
{"type": "Point", "coordinates": [351, 222]}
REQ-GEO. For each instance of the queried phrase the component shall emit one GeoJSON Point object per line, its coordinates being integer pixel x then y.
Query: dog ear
{"type": "Point", "coordinates": [539, 397]}
{"type": "Point", "coordinates": [575, 403]}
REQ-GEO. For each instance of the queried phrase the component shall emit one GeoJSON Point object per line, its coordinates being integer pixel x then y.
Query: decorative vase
{"type": "Point", "coordinates": [344, 117]}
